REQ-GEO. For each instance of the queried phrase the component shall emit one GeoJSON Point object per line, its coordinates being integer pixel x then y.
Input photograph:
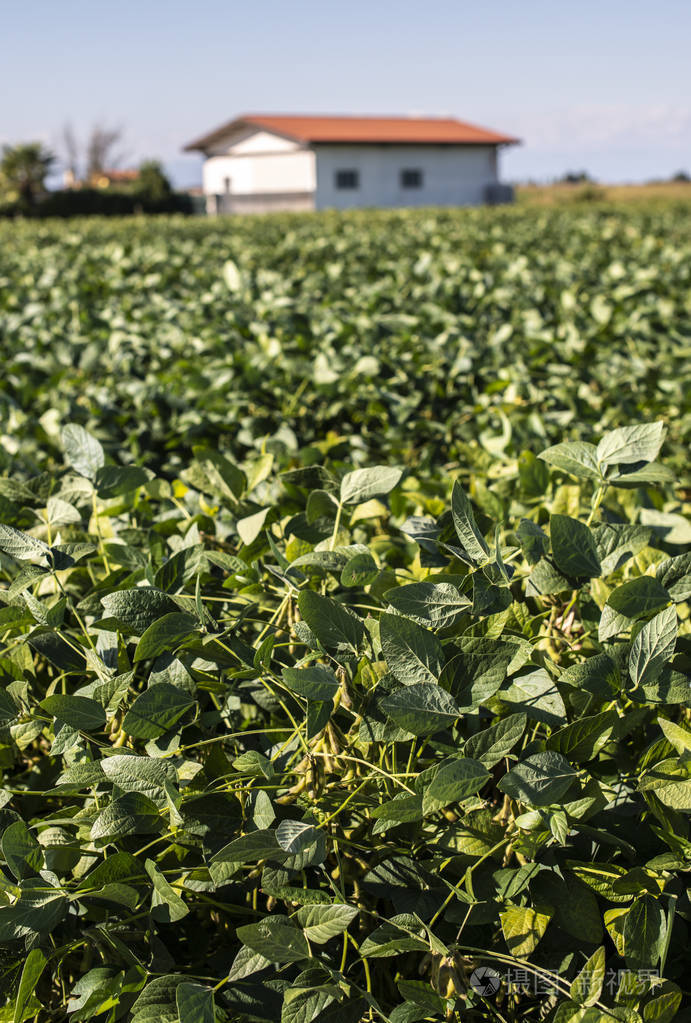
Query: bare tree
{"type": "Point", "coordinates": [100, 150]}
{"type": "Point", "coordinates": [69, 148]}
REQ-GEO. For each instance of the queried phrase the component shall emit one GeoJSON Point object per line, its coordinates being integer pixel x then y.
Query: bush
{"type": "Point", "coordinates": [590, 193]}
{"type": "Point", "coordinates": [86, 202]}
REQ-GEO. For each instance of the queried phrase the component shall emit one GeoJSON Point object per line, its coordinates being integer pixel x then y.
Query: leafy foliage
{"type": "Point", "coordinates": [348, 718]}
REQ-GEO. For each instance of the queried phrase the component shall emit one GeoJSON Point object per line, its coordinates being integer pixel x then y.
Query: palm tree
{"type": "Point", "coordinates": [23, 168]}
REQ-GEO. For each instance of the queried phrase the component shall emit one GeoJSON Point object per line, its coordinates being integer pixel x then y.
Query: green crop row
{"type": "Point", "coordinates": [425, 338]}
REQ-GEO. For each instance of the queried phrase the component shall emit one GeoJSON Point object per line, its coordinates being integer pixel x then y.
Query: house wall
{"type": "Point", "coordinates": [259, 174]}
{"type": "Point", "coordinates": [452, 175]}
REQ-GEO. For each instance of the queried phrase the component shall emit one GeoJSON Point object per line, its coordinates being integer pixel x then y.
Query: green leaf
{"type": "Point", "coordinates": [8, 709]}
{"type": "Point", "coordinates": [538, 696]}
{"type": "Point", "coordinates": [306, 1005]}
{"type": "Point", "coordinates": [130, 814]}
{"type": "Point", "coordinates": [491, 744]}
{"type": "Point", "coordinates": [534, 476]}
{"type": "Point", "coordinates": [246, 963]}
{"type": "Point", "coordinates": [571, 1012]}
{"type": "Point", "coordinates": [38, 910]}
{"type": "Point", "coordinates": [437, 605]}
{"type": "Point", "coordinates": [139, 608]}
{"type": "Point", "coordinates": [364, 484]}
{"type": "Point", "coordinates": [523, 927]}
{"type": "Point", "coordinates": [195, 1003]}
{"type": "Point", "coordinates": [295, 836]}
{"type": "Point", "coordinates": [166, 633]}
{"type": "Point", "coordinates": [34, 965]}
{"type": "Point", "coordinates": [318, 715]}
{"type": "Point", "coordinates": [573, 547]}
{"type": "Point", "coordinates": [394, 937]}
{"type": "Point", "coordinates": [575, 457]}
{"type": "Point", "coordinates": [583, 739]}
{"type": "Point", "coordinates": [675, 576]}
{"type": "Point", "coordinates": [664, 1007]}
{"type": "Point", "coordinates": [321, 923]}
{"type": "Point", "coordinates": [422, 994]}
{"type": "Point", "coordinates": [616, 543]}
{"type": "Point", "coordinates": [545, 580]}
{"type": "Point", "coordinates": [576, 907]}
{"type": "Point", "coordinates": [471, 539]}
{"type": "Point", "coordinates": [421, 709]}
{"type": "Point", "coordinates": [598, 675]}
{"type": "Point", "coordinates": [22, 546]}
{"type": "Point", "coordinates": [456, 780]}
{"type": "Point", "coordinates": [257, 845]}
{"type": "Point", "coordinates": [334, 626]}
{"type": "Point", "coordinates": [251, 526]}
{"type": "Point", "coordinates": [83, 452]}
{"type": "Point", "coordinates": [117, 867]}
{"type": "Point", "coordinates": [361, 570]}
{"type": "Point", "coordinates": [678, 736]}
{"type": "Point", "coordinates": [156, 710]}
{"type": "Point", "coordinates": [255, 763]}
{"type": "Point", "coordinates": [138, 774]}
{"type": "Point", "coordinates": [638, 597]}
{"type": "Point", "coordinates": [670, 780]}
{"type": "Point", "coordinates": [652, 647]}
{"type": "Point", "coordinates": [305, 844]}
{"type": "Point", "coordinates": [629, 444]}
{"type": "Point", "coordinates": [540, 779]}
{"type": "Point", "coordinates": [76, 711]}
{"type": "Point", "coordinates": [315, 682]}
{"type": "Point", "coordinates": [117, 480]}
{"type": "Point", "coordinates": [402, 807]}
{"type": "Point", "coordinates": [671, 527]}
{"type": "Point", "coordinates": [157, 1002]}
{"type": "Point", "coordinates": [166, 904]}
{"type": "Point", "coordinates": [533, 540]}
{"type": "Point", "coordinates": [644, 933]}
{"type": "Point", "coordinates": [653, 472]}
{"type": "Point", "coordinates": [475, 674]}
{"type": "Point", "coordinates": [276, 939]}
{"type": "Point", "coordinates": [22, 852]}
{"type": "Point", "coordinates": [213, 474]}
{"type": "Point", "coordinates": [586, 988]}
{"type": "Point", "coordinates": [413, 654]}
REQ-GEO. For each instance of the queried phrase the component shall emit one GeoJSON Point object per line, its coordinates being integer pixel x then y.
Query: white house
{"type": "Point", "coordinates": [259, 162]}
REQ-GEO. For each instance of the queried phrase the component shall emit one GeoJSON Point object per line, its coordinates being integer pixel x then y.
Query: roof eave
{"type": "Point", "coordinates": [202, 144]}
{"type": "Point", "coordinates": [509, 141]}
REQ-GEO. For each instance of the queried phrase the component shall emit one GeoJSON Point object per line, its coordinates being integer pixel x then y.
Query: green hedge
{"type": "Point", "coordinates": [86, 202]}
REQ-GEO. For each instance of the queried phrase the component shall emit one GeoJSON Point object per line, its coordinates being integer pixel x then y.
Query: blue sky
{"type": "Point", "coordinates": [603, 85]}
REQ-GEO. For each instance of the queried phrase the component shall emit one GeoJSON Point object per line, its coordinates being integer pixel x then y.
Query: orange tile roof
{"type": "Point", "coordinates": [323, 128]}
{"type": "Point", "coordinates": [120, 175]}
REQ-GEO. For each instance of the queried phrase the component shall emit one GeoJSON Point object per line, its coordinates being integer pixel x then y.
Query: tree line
{"type": "Point", "coordinates": [92, 181]}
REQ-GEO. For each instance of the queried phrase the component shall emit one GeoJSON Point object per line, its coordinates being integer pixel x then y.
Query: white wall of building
{"type": "Point", "coordinates": [451, 175]}
{"type": "Point", "coordinates": [269, 172]}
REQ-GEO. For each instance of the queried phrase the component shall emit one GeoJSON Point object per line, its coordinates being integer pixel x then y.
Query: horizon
{"type": "Point", "coordinates": [584, 92]}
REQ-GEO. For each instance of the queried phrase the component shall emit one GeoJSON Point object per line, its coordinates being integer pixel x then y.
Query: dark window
{"type": "Point", "coordinates": [411, 177]}
{"type": "Point", "coordinates": [347, 179]}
